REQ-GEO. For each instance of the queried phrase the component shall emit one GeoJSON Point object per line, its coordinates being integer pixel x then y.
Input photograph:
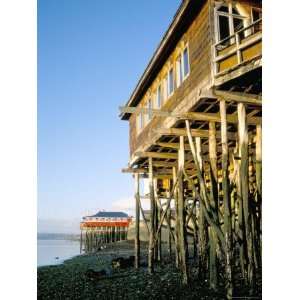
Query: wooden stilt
{"type": "Point", "coordinates": [181, 214]}
{"type": "Point", "coordinates": [177, 256]}
{"type": "Point", "coordinates": [137, 222]}
{"type": "Point", "coordinates": [152, 207]}
{"type": "Point", "coordinates": [226, 202]}
{"type": "Point", "coordinates": [243, 146]}
{"type": "Point", "coordinates": [202, 226]}
{"type": "Point", "coordinates": [169, 238]}
{"type": "Point", "coordinates": [155, 213]}
{"type": "Point", "coordinates": [213, 271]}
{"type": "Point", "coordinates": [258, 172]}
{"type": "Point", "coordinates": [159, 233]}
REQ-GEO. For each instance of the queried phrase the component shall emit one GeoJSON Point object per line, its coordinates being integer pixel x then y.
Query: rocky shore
{"type": "Point", "coordinates": [70, 280]}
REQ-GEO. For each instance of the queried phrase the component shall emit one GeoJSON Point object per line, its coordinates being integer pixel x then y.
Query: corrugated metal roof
{"type": "Point", "coordinates": [109, 214]}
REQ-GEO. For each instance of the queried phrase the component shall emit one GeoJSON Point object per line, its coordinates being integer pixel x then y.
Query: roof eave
{"type": "Point", "coordinates": [184, 6]}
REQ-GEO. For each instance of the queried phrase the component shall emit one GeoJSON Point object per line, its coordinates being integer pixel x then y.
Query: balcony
{"type": "Point", "coordinates": [238, 49]}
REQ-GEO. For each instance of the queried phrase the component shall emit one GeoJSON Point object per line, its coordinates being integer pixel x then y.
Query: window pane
{"type": "Point", "coordinates": [223, 27]}
{"type": "Point", "coordinates": [158, 97]}
{"type": "Point", "coordinates": [171, 82]}
{"type": "Point", "coordinates": [165, 88]}
{"type": "Point", "coordinates": [223, 9]}
{"type": "Point", "coordinates": [235, 11]}
{"type": "Point", "coordinates": [256, 14]}
{"type": "Point", "coordinates": [149, 109]}
{"type": "Point", "coordinates": [186, 65]}
{"type": "Point", "coordinates": [179, 70]}
{"type": "Point", "coordinates": [238, 24]}
{"type": "Point", "coordinates": [141, 120]}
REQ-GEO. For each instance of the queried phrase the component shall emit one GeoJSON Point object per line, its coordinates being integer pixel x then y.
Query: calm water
{"type": "Point", "coordinates": [48, 250]}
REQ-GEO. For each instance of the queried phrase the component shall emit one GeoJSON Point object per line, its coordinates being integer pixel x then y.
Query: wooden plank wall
{"type": "Point", "coordinates": [199, 40]}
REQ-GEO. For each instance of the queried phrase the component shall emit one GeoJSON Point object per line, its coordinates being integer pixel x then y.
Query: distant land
{"type": "Point", "coordinates": [58, 236]}
{"type": "Point", "coordinates": [66, 226]}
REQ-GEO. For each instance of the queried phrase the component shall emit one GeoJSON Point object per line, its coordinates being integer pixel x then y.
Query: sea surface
{"type": "Point", "coordinates": [53, 252]}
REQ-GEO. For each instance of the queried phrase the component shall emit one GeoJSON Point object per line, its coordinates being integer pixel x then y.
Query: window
{"type": "Point", "coordinates": [158, 97]}
{"type": "Point", "coordinates": [140, 122]}
{"type": "Point", "coordinates": [186, 63]}
{"type": "Point", "coordinates": [149, 106]}
{"type": "Point", "coordinates": [179, 75]}
{"type": "Point", "coordinates": [228, 21]}
{"type": "Point", "coordinates": [224, 31]}
{"type": "Point", "coordinates": [170, 82]}
{"type": "Point", "coordinates": [256, 15]}
{"type": "Point", "coordinates": [165, 91]}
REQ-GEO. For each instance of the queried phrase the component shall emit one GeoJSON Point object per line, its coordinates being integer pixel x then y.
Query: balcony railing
{"type": "Point", "coordinates": [238, 48]}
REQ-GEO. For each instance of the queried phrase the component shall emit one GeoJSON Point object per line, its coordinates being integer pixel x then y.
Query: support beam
{"type": "Point", "coordinates": [181, 214]}
{"type": "Point", "coordinates": [195, 116]}
{"type": "Point", "coordinates": [239, 97]}
{"type": "Point", "coordinates": [175, 179]}
{"type": "Point", "coordinates": [137, 221]}
{"type": "Point", "coordinates": [244, 180]}
{"type": "Point", "coordinates": [226, 201]}
{"type": "Point", "coordinates": [151, 237]}
{"type": "Point", "coordinates": [159, 155]}
{"type": "Point", "coordinates": [213, 270]}
{"type": "Point", "coordinates": [195, 133]}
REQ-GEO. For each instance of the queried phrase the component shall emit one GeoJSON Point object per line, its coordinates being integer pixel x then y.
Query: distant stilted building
{"type": "Point", "coordinates": [102, 228]}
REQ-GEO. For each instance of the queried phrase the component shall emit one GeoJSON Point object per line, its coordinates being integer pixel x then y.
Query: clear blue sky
{"type": "Point", "coordinates": [91, 54]}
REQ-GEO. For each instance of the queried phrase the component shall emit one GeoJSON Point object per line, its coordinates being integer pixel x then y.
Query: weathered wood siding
{"type": "Point", "coordinates": [199, 39]}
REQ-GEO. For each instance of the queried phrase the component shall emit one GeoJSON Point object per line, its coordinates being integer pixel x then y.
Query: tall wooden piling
{"type": "Point", "coordinates": [177, 256]}
{"type": "Point", "coordinates": [244, 169]}
{"type": "Point", "coordinates": [181, 214]}
{"type": "Point", "coordinates": [137, 222]}
{"type": "Point", "coordinates": [213, 271]}
{"type": "Point", "coordinates": [226, 202]}
{"type": "Point", "coordinates": [169, 237]}
{"type": "Point", "coordinates": [151, 227]}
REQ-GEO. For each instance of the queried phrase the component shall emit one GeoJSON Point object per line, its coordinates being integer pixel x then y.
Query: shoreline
{"type": "Point", "coordinates": [69, 280]}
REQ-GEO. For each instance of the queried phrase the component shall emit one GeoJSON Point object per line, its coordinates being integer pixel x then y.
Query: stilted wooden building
{"type": "Point", "coordinates": [103, 228]}
{"type": "Point", "coordinates": [195, 133]}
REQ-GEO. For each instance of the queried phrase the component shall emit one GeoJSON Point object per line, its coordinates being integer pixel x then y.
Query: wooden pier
{"type": "Point", "coordinates": [103, 228]}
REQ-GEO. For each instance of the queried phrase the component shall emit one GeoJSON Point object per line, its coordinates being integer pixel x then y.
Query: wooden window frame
{"type": "Point", "coordinates": [168, 91]}
{"type": "Point", "coordinates": [160, 102]}
{"type": "Point", "coordinates": [186, 47]}
{"type": "Point", "coordinates": [230, 17]}
{"type": "Point", "coordinates": [179, 70]}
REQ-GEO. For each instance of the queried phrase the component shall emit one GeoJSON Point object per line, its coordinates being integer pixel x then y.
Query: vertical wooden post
{"type": "Point", "coordinates": [244, 180]}
{"type": "Point", "coordinates": [169, 238]}
{"type": "Point", "coordinates": [181, 214]}
{"type": "Point", "coordinates": [177, 256]}
{"type": "Point", "coordinates": [157, 252]}
{"type": "Point", "coordinates": [137, 221]}
{"type": "Point", "coordinates": [151, 227]}
{"type": "Point", "coordinates": [155, 212]}
{"type": "Point", "coordinates": [258, 171]}
{"type": "Point", "coordinates": [213, 272]}
{"type": "Point", "coordinates": [202, 228]}
{"type": "Point", "coordinates": [226, 201]}
{"type": "Point", "coordinates": [159, 233]}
